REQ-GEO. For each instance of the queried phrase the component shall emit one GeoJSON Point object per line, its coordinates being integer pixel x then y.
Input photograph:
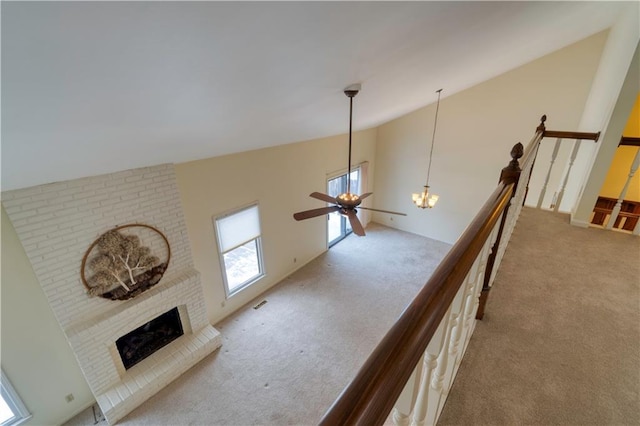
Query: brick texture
{"type": "Point", "coordinates": [56, 224]}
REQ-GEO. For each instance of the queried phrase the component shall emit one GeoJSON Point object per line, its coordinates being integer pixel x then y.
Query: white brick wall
{"type": "Point", "coordinates": [57, 223]}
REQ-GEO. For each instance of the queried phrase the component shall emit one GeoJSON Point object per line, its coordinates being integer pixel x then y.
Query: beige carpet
{"type": "Point", "coordinates": [285, 363]}
{"type": "Point", "coordinates": [559, 345]}
{"type": "Point", "coordinates": [560, 341]}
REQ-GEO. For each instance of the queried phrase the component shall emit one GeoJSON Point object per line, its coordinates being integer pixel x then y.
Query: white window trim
{"type": "Point", "coordinates": [343, 171]}
{"type": "Point", "coordinates": [221, 254]}
{"type": "Point", "coordinates": [11, 397]}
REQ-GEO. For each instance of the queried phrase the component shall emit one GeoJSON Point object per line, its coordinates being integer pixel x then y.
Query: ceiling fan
{"type": "Point", "coordinates": [347, 202]}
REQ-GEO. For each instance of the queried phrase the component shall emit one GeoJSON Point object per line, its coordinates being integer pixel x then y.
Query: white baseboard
{"type": "Point", "coordinates": [579, 223]}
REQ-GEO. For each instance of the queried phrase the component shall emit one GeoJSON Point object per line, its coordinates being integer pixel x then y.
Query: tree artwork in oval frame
{"type": "Point", "coordinates": [125, 261]}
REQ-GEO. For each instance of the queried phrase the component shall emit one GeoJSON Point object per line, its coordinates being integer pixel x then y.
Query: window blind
{"type": "Point", "coordinates": [238, 228]}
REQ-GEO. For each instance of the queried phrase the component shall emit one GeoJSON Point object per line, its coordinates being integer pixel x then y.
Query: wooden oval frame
{"type": "Point", "coordinates": [118, 228]}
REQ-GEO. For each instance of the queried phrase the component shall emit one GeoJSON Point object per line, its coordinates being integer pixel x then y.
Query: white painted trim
{"type": "Point", "coordinates": [261, 265]}
{"type": "Point", "coordinates": [578, 223]}
{"type": "Point", "coordinates": [343, 171]}
{"type": "Point", "coordinates": [17, 407]}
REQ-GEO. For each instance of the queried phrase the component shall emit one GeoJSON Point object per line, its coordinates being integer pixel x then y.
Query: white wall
{"type": "Point", "coordinates": [605, 91]}
{"type": "Point", "coordinates": [35, 354]}
{"type": "Point", "coordinates": [280, 179]}
{"type": "Point", "coordinates": [476, 130]}
{"type": "Point", "coordinates": [609, 141]}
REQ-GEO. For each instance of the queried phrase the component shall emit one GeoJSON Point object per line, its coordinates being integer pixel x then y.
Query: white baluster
{"type": "Point", "coordinates": [636, 230]}
{"type": "Point", "coordinates": [474, 279]}
{"type": "Point", "coordinates": [546, 180]}
{"type": "Point", "coordinates": [470, 307]}
{"type": "Point", "coordinates": [510, 223]}
{"type": "Point", "coordinates": [459, 320]}
{"type": "Point", "coordinates": [456, 332]}
{"type": "Point", "coordinates": [554, 200]}
{"type": "Point", "coordinates": [443, 357]}
{"type": "Point", "coordinates": [623, 193]}
{"type": "Point", "coordinates": [399, 418]}
{"type": "Point", "coordinates": [407, 399]}
{"type": "Point", "coordinates": [427, 398]}
{"type": "Point", "coordinates": [438, 383]}
{"type": "Point", "coordinates": [574, 154]}
{"type": "Point", "coordinates": [422, 402]}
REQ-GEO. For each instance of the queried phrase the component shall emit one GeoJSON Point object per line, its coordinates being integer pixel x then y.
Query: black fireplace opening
{"type": "Point", "coordinates": [148, 338]}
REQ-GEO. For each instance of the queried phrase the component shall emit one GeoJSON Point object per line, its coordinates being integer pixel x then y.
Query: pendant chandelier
{"type": "Point", "coordinates": [426, 199]}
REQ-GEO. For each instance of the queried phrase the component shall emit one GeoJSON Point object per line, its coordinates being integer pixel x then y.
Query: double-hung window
{"type": "Point", "coordinates": [240, 248]}
{"type": "Point", "coordinates": [12, 410]}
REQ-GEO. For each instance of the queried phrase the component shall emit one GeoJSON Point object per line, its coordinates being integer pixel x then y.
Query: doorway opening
{"type": "Point", "coordinates": [338, 227]}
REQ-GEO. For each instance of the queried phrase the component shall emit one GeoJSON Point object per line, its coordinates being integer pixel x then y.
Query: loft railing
{"type": "Point", "coordinates": [562, 137]}
{"type": "Point", "coordinates": [413, 367]}
{"type": "Point", "coordinates": [619, 213]}
{"type": "Point", "coordinates": [626, 218]}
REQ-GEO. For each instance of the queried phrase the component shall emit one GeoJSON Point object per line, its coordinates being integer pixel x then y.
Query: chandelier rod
{"type": "Point", "coordinates": [433, 137]}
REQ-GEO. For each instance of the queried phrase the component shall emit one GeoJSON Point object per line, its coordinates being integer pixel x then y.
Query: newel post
{"type": "Point", "coordinates": [509, 174]}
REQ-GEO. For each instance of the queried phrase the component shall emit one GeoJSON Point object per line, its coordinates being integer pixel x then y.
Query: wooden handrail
{"type": "Point", "coordinates": [629, 141]}
{"type": "Point", "coordinates": [371, 395]}
{"type": "Point", "coordinates": [621, 214]}
{"type": "Point", "coordinates": [373, 392]}
{"type": "Point", "coordinates": [537, 137]}
{"type": "Point", "coordinates": [530, 150]}
{"type": "Point", "coordinates": [571, 135]}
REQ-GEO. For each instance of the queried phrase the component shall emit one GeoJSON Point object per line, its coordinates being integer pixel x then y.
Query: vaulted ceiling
{"type": "Point", "coordinates": [97, 87]}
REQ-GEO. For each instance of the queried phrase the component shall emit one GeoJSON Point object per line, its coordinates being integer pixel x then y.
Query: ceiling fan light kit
{"type": "Point", "coordinates": [347, 202]}
{"type": "Point", "coordinates": [425, 199]}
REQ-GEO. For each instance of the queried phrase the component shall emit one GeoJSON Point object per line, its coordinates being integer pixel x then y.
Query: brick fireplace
{"type": "Point", "coordinates": [56, 223]}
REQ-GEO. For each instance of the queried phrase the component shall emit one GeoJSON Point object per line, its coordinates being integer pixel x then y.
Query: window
{"type": "Point", "coordinates": [240, 248]}
{"type": "Point", "coordinates": [12, 410]}
{"type": "Point", "coordinates": [338, 226]}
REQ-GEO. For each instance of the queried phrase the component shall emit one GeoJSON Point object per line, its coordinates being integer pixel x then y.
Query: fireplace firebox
{"type": "Point", "coordinates": [148, 338]}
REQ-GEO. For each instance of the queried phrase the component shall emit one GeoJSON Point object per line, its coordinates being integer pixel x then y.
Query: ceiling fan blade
{"type": "Point", "coordinates": [355, 223]}
{"type": "Point", "coordinates": [323, 197]}
{"type": "Point", "coordinates": [365, 195]}
{"type": "Point", "coordinates": [308, 214]}
{"type": "Point", "coordinates": [382, 211]}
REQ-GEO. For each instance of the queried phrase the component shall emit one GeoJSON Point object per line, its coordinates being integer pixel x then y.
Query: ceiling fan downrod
{"type": "Point", "coordinates": [350, 93]}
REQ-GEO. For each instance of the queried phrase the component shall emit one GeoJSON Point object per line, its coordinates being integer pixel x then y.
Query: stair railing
{"type": "Point", "coordinates": [622, 214]}
{"type": "Point", "coordinates": [561, 137]}
{"type": "Point", "coordinates": [412, 368]}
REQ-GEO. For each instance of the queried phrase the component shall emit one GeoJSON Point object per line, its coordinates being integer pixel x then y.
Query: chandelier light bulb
{"type": "Point", "coordinates": [424, 199]}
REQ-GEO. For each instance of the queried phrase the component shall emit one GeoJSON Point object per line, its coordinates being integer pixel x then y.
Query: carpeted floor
{"type": "Point", "coordinates": [560, 340]}
{"type": "Point", "coordinates": [286, 362]}
{"type": "Point", "coordinates": [559, 343]}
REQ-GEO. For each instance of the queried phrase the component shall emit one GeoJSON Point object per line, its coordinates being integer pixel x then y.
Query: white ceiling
{"type": "Point", "coordinates": [97, 87]}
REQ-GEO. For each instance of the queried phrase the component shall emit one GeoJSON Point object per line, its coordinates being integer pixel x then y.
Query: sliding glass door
{"type": "Point", "coordinates": [338, 226]}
